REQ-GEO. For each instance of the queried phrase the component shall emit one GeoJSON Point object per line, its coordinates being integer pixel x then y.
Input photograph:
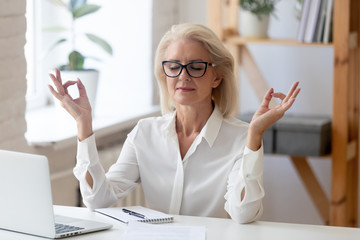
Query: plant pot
{"type": "Point", "coordinates": [90, 79]}
{"type": "Point", "coordinates": [253, 26]}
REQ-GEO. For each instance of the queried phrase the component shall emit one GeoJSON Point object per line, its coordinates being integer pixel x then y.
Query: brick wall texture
{"type": "Point", "coordinates": [12, 74]}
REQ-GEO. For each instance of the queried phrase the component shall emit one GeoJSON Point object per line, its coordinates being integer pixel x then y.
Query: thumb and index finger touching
{"type": "Point", "coordinates": [286, 100]}
{"type": "Point", "coordinates": [289, 99]}
{"type": "Point", "coordinates": [61, 89]}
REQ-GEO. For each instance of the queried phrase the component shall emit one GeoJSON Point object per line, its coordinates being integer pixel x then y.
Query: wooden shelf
{"type": "Point", "coordinates": [342, 207]}
{"type": "Point", "coordinates": [237, 40]}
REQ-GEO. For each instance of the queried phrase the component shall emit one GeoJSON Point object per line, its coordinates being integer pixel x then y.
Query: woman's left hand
{"type": "Point", "coordinates": [264, 117]}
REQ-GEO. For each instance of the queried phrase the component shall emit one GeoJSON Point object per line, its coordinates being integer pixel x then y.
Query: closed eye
{"type": "Point", "coordinates": [197, 66]}
{"type": "Point", "coordinates": [174, 67]}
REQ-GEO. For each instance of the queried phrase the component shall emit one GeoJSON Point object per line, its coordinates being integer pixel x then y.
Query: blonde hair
{"type": "Point", "coordinates": [226, 94]}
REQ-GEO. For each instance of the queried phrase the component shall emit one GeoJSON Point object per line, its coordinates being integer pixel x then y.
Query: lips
{"type": "Point", "coordinates": [185, 89]}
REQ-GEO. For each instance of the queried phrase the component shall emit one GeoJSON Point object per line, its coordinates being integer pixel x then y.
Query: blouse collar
{"type": "Point", "coordinates": [209, 131]}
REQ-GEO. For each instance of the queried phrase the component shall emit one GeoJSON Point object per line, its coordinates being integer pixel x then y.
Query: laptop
{"type": "Point", "coordinates": [26, 200]}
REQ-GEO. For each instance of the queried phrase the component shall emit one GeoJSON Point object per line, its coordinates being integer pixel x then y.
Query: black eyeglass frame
{"type": "Point", "coordinates": [185, 66]}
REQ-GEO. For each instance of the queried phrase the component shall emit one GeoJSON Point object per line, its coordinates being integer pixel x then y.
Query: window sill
{"type": "Point", "coordinates": [53, 127]}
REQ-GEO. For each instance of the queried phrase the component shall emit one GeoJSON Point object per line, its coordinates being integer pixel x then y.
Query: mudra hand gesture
{"type": "Point", "coordinates": [264, 117]}
{"type": "Point", "coordinates": [78, 108]}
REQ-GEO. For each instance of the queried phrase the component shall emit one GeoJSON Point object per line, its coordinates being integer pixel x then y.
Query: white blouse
{"type": "Point", "coordinates": [208, 181]}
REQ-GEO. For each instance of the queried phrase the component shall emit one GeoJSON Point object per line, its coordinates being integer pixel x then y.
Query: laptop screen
{"type": "Point", "coordinates": [26, 202]}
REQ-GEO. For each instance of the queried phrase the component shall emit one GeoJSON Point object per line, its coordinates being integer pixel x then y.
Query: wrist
{"type": "Point", "coordinates": [84, 129]}
{"type": "Point", "coordinates": [254, 140]}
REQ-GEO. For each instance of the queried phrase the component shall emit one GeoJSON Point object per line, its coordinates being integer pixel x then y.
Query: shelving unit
{"type": "Point", "coordinates": [237, 40]}
{"type": "Point", "coordinates": [342, 208]}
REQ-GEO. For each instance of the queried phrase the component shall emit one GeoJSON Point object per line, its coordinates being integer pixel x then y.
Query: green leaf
{"type": "Point", "coordinates": [59, 3]}
{"type": "Point", "coordinates": [85, 10]}
{"type": "Point", "coordinates": [76, 61]}
{"type": "Point", "coordinates": [101, 42]}
{"type": "Point", "coordinates": [55, 29]}
{"type": "Point", "coordinates": [257, 7]}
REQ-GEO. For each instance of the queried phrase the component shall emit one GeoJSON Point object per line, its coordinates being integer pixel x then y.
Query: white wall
{"type": "Point", "coordinates": [286, 199]}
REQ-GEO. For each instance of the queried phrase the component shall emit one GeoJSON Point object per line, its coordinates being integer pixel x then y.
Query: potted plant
{"type": "Point", "coordinates": [74, 68]}
{"type": "Point", "coordinates": [254, 17]}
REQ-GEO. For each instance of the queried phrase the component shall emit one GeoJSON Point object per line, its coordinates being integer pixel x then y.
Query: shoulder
{"type": "Point", "coordinates": [152, 125]}
{"type": "Point", "coordinates": [236, 123]}
{"type": "Point", "coordinates": [233, 129]}
{"type": "Point", "coordinates": [154, 121]}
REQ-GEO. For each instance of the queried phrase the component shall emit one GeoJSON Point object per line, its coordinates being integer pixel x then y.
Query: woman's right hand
{"type": "Point", "coordinates": [78, 108]}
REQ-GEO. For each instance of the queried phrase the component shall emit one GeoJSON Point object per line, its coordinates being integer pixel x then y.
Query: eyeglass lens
{"type": "Point", "coordinates": [195, 69]}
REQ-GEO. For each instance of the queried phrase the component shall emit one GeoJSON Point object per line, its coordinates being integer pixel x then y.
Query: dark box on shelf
{"type": "Point", "coordinates": [303, 135]}
{"type": "Point", "coordinates": [268, 137]}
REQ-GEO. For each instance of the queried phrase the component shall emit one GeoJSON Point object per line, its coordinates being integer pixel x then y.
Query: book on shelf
{"type": "Point", "coordinates": [312, 20]}
{"type": "Point", "coordinates": [328, 22]}
{"type": "Point", "coordinates": [316, 21]}
{"type": "Point", "coordinates": [319, 32]}
{"type": "Point", "coordinates": [136, 213]}
{"type": "Point", "coordinates": [303, 19]}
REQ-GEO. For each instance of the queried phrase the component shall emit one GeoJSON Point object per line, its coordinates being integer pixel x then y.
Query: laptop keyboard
{"type": "Point", "coordinates": [63, 228]}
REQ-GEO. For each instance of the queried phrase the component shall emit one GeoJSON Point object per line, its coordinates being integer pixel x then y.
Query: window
{"type": "Point", "coordinates": [35, 95]}
{"type": "Point", "coordinates": [125, 77]}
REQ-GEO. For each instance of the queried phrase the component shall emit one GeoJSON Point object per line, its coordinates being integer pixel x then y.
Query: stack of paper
{"type": "Point", "coordinates": [141, 231]}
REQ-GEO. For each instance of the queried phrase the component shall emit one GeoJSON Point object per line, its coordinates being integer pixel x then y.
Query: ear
{"type": "Point", "coordinates": [216, 82]}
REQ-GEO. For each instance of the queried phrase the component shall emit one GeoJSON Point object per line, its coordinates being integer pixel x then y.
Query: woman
{"type": "Point", "coordinates": [196, 159]}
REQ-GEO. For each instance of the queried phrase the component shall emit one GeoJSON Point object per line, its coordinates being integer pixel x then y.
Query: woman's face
{"type": "Point", "coordinates": [185, 89]}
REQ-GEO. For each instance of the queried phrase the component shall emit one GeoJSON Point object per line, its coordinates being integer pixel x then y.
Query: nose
{"type": "Point", "coordinates": [184, 75]}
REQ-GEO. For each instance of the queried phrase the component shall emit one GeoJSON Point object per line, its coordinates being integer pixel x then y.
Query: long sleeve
{"type": "Point", "coordinates": [107, 188]}
{"type": "Point", "coordinates": [248, 175]}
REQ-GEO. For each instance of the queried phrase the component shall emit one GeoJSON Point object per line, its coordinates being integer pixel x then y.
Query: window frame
{"type": "Point", "coordinates": [35, 95]}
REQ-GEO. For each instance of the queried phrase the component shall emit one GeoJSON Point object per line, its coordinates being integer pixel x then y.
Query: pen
{"type": "Point", "coordinates": [139, 215]}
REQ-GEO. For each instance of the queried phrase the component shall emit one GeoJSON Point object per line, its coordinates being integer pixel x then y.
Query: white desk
{"type": "Point", "coordinates": [217, 229]}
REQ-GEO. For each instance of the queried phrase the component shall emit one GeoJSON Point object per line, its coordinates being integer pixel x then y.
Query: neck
{"type": "Point", "coordinates": [190, 120]}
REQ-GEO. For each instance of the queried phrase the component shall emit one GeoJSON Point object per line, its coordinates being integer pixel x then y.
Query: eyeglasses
{"type": "Point", "coordinates": [194, 69]}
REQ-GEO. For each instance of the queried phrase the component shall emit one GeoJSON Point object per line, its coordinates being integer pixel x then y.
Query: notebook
{"type": "Point", "coordinates": [26, 201]}
{"type": "Point", "coordinates": [136, 213]}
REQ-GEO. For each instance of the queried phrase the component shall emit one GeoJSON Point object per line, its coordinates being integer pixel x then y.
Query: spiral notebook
{"type": "Point", "coordinates": [136, 213]}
